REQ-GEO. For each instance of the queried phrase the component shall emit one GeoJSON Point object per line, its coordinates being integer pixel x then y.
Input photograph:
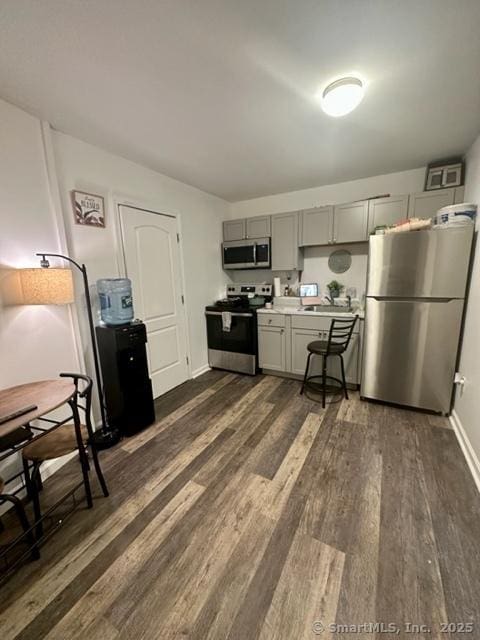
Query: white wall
{"type": "Point", "coordinates": [85, 167]}
{"type": "Point", "coordinates": [36, 342]}
{"type": "Point", "coordinates": [316, 258]}
{"type": "Point", "coordinates": [467, 402]}
{"type": "Point", "coordinates": [393, 183]}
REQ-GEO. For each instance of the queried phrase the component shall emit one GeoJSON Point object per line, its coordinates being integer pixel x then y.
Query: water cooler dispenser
{"type": "Point", "coordinates": [126, 384]}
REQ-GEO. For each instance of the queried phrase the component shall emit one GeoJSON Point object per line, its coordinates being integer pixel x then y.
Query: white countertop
{"type": "Point", "coordinates": [300, 311]}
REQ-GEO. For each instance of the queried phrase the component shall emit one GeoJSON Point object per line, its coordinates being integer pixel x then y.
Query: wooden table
{"type": "Point", "coordinates": [46, 394]}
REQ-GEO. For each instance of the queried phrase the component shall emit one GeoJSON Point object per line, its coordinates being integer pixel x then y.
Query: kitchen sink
{"type": "Point", "coordinates": [328, 308]}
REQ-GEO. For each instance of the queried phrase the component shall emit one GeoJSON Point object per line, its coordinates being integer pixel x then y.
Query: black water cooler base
{"type": "Point", "coordinates": [105, 438]}
{"type": "Point", "coordinates": [127, 387]}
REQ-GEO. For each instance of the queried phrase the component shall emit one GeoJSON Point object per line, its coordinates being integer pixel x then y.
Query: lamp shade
{"type": "Point", "coordinates": [46, 286]}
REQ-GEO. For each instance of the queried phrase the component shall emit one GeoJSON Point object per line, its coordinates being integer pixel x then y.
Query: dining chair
{"type": "Point", "coordinates": [21, 516]}
{"type": "Point", "coordinates": [10, 441]}
{"type": "Point", "coordinates": [63, 440]}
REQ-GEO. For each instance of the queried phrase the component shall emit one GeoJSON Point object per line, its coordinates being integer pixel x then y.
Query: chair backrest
{"type": "Point", "coordinates": [340, 333]}
{"type": "Point", "coordinates": [84, 393]}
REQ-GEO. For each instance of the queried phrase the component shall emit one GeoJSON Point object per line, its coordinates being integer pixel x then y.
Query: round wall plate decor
{"type": "Point", "coordinates": [340, 261]}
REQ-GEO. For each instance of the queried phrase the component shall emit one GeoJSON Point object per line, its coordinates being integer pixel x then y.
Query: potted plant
{"type": "Point", "coordinates": [335, 289]}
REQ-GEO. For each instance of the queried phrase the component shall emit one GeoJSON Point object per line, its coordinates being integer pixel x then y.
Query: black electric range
{"type": "Point", "coordinates": [232, 328]}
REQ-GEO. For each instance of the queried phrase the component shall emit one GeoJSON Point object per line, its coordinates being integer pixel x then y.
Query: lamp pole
{"type": "Point", "coordinates": [104, 438]}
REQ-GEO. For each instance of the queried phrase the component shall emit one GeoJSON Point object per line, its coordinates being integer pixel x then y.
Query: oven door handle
{"type": "Point", "coordinates": [254, 253]}
{"type": "Point", "coordinates": [236, 315]}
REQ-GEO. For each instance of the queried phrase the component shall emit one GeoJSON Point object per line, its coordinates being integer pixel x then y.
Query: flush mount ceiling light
{"type": "Point", "coordinates": [342, 96]}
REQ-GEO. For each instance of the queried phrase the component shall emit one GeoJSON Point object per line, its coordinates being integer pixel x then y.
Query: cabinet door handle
{"type": "Point", "coordinates": [269, 321]}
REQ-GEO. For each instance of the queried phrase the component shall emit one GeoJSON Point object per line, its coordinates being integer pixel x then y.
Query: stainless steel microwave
{"type": "Point", "coordinates": [246, 254]}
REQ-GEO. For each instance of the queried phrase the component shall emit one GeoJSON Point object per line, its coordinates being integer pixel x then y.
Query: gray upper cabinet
{"type": "Point", "coordinates": [258, 227]}
{"type": "Point", "coordinates": [234, 230]}
{"type": "Point", "coordinates": [426, 203]}
{"type": "Point", "coordinates": [350, 222]}
{"type": "Point", "coordinates": [316, 226]}
{"type": "Point", "coordinates": [286, 255]}
{"type": "Point", "coordinates": [387, 211]}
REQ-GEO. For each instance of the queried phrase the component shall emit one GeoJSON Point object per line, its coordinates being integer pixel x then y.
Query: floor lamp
{"type": "Point", "coordinates": [105, 437]}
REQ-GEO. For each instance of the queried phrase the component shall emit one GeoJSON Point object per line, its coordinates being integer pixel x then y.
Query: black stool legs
{"type": "Point", "coordinates": [343, 378]}
{"type": "Point", "coordinates": [324, 377]}
{"type": "Point", "coordinates": [306, 372]}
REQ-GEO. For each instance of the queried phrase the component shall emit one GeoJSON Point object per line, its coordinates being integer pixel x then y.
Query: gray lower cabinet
{"type": "Point", "coordinates": [286, 255]}
{"type": "Point", "coordinates": [316, 226]}
{"type": "Point", "coordinates": [283, 340]}
{"type": "Point", "coordinates": [234, 229]}
{"type": "Point", "coordinates": [426, 203]}
{"type": "Point", "coordinates": [350, 222]}
{"type": "Point", "coordinates": [300, 340]}
{"type": "Point", "coordinates": [272, 348]}
{"type": "Point", "coordinates": [258, 227]}
{"type": "Point", "coordinates": [387, 211]}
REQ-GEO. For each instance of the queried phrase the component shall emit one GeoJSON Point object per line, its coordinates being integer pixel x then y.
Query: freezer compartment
{"type": "Point", "coordinates": [420, 264]}
{"type": "Point", "coordinates": [410, 352]}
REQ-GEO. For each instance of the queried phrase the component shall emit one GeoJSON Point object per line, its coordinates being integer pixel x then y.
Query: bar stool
{"type": "Point", "coordinates": [339, 336]}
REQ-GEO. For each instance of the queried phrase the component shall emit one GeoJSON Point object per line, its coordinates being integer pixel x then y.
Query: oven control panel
{"type": "Point", "coordinates": [249, 289]}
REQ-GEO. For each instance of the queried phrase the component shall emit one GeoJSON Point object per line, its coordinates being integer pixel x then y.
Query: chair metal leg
{"type": "Point", "coordinates": [101, 479]}
{"type": "Point", "coordinates": [39, 480]}
{"type": "Point", "coordinates": [28, 480]}
{"type": "Point", "coordinates": [345, 392]}
{"type": "Point", "coordinates": [324, 379]}
{"type": "Point", "coordinates": [86, 479]}
{"type": "Point", "coordinates": [22, 517]}
{"type": "Point", "coordinates": [36, 500]}
{"type": "Point", "coordinates": [306, 372]}
{"type": "Point", "coordinates": [82, 453]}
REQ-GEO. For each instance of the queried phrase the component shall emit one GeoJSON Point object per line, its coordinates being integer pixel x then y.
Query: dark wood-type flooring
{"type": "Point", "coordinates": [249, 512]}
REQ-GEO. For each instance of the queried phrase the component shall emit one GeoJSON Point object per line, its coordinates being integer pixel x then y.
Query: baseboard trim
{"type": "Point", "coordinates": [200, 371]}
{"type": "Point", "coordinates": [466, 447]}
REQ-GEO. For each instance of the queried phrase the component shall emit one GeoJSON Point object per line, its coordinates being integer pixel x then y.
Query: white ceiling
{"type": "Point", "coordinates": [219, 93]}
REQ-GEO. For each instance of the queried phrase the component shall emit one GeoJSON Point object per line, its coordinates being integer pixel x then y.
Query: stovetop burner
{"type": "Point", "coordinates": [231, 304]}
{"type": "Point", "coordinates": [244, 297]}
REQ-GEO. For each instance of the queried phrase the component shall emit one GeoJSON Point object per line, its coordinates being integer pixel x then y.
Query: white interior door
{"type": "Point", "coordinates": [152, 263]}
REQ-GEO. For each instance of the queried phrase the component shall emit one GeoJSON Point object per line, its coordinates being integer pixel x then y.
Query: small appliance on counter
{"type": "Point", "coordinates": [232, 327]}
{"type": "Point", "coordinates": [126, 383]}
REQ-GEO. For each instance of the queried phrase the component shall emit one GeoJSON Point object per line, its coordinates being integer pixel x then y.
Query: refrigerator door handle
{"type": "Point", "coordinates": [402, 299]}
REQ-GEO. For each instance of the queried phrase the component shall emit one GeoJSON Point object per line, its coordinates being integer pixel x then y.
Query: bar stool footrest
{"type": "Point", "coordinates": [317, 387]}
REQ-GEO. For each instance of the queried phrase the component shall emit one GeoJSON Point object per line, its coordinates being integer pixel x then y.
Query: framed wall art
{"type": "Point", "coordinates": [88, 209]}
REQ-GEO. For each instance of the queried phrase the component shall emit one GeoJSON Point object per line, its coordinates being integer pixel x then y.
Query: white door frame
{"type": "Point", "coordinates": [122, 265]}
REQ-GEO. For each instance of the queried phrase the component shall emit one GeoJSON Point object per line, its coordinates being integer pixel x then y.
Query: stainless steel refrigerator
{"type": "Point", "coordinates": [414, 306]}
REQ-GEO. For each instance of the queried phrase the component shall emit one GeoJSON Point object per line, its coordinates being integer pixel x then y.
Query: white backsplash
{"type": "Point", "coordinates": [316, 269]}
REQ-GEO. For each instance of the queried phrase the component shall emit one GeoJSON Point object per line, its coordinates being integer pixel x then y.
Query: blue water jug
{"type": "Point", "coordinates": [116, 305]}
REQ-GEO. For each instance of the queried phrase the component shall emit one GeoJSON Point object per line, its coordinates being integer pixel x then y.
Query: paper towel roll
{"type": "Point", "coordinates": [277, 287]}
